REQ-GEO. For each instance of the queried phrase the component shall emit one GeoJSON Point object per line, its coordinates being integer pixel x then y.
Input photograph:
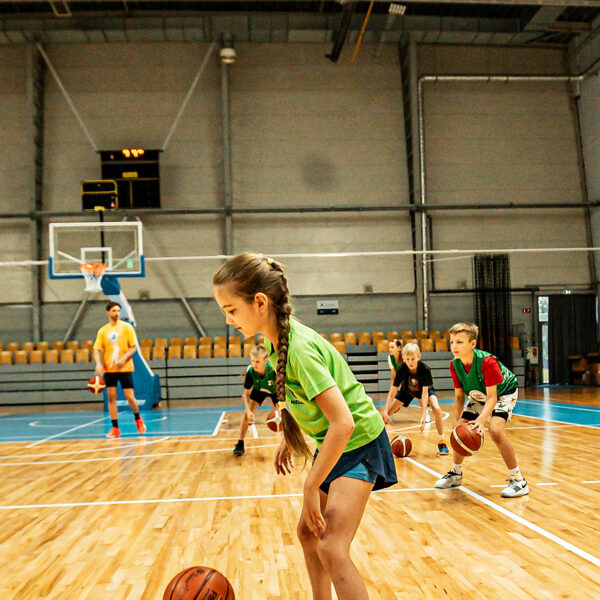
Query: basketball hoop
{"type": "Point", "coordinates": [93, 273]}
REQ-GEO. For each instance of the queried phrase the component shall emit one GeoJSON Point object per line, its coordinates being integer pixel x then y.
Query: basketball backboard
{"type": "Point", "coordinates": [117, 244]}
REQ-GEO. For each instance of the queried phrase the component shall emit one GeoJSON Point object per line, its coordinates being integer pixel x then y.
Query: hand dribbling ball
{"type": "Point", "coordinates": [96, 384]}
{"type": "Point", "coordinates": [465, 440]}
{"type": "Point", "coordinates": [274, 421]}
{"type": "Point", "coordinates": [199, 583]}
{"type": "Point", "coordinates": [401, 446]}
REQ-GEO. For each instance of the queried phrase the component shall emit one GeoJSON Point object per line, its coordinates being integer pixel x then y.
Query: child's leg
{"type": "Point", "coordinates": [496, 430]}
{"type": "Point", "coordinates": [320, 581]}
{"type": "Point", "coordinates": [344, 510]}
{"type": "Point", "coordinates": [395, 407]}
{"type": "Point", "coordinates": [437, 415]}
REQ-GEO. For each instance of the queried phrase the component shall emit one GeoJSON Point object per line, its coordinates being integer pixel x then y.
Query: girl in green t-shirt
{"type": "Point", "coordinates": [325, 401]}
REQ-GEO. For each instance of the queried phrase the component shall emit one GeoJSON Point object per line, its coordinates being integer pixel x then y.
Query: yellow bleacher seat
{"type": "Point", "coordinates": [21, 357]}
{"type": "Point", "coordinates": [51, 356]}
{"type": "Point", "coordinates": [204, 351]}
{"type": "Point", "coordinates": [36, 356]}
{"type": "Point", "coordinates": [391, 335]}
{"type": "Point", "coordinates": [158, 352]}
{"type": "Point", "coordinates": [190, 351]}
{"type": "Point", "coordinates": [66, 355]}
{"type": "Point", "coordinates": [364, 337]}
{"type": "Point", "coordinates": [426, 345]}
{"type": "Point", "coordinates": [174, 351]}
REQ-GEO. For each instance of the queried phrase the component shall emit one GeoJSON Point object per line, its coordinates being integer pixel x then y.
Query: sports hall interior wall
{"type": "Point", "coordinates": [305, 133]}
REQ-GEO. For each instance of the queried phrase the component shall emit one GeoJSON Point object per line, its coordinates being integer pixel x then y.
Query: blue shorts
{"type": "Point", "coordinates": [361, 471]}
{"type": "Point", "coordinates": [373, 462]}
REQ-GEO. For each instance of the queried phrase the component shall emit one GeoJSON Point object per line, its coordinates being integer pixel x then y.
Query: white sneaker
{"type": "Point", "coordinates": [427, 417]}
{"type": "Point", "coordinates": [515, 488]}
{"type": "Point", "coordinates": [449, 480]}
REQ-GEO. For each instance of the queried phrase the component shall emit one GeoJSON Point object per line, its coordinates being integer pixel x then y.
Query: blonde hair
{"type": "Point", "coordinates": [259, 350]}
{"type": "Point", "coordinates": [246, 275]}
{"type": "Point", "coordinates": [470, 329]}
{"type": "Point", "coordinates": [410, 350]}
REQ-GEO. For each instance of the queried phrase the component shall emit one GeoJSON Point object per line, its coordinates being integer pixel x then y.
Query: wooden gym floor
{"type": "Point", "coordinates": [85, 518]}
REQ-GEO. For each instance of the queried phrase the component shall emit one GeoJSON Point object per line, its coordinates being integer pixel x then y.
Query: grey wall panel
{"type": "Point", "coordinates": [491, 143]}
{"type": "Point", "coordinates": [589, 115]}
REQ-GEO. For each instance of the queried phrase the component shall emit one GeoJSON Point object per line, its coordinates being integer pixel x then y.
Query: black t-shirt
{"type": "Point", "coordinates": [413, 383]}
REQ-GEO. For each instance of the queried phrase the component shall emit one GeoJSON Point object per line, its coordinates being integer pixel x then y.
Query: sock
{"type": "Point", "coordinates": [441, 439]}
{"type": "Point", "coordinates": [515, 473]}
{"type": "Point", "coordinates": [136, 416]}
{"type": "Point", "coordinates": [115, 423]}
{"type": "Point", "coordinates": [457, 469]}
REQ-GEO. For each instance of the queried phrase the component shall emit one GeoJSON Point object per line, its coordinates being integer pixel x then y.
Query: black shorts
{"type": "Point", "coordinates": [125, 379]}
{"type": "Point", "coordinates": [259, 396]}
{"type": "Point", "coordinates": [406, 398]}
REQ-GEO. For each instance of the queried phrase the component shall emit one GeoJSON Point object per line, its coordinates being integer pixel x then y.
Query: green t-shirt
{"type": "Point", "coordinates": [313, 366]}
{"type": "Point", "coordinates": [262, 382]}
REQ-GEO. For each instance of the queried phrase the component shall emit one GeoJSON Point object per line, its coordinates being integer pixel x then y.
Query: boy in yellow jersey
{"type": "Point", "coordinates": [115, 344]}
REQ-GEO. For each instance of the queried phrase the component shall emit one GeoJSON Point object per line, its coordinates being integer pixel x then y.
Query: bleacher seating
{"type": "Point", "coordinates": [174, 348]}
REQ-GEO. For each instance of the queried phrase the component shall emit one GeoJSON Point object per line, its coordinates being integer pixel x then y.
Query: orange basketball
{"type": "Point", "coordinates": [401, 446]}
{"type": "Point", "coordinates": [96, 384]}
{"type": "Point", "coordinates": [199, 583]}
{"type": "Point", "coordinates": [274, 421]}
{"type": "Point", "coordinates": [465, 440]}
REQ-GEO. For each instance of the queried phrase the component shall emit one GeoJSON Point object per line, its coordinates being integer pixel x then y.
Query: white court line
{"type": "Point", "coordinates": [596, 481]}
{"type": "Point", "coordinates": [64, 432]}
{"type": "Point", "coordinates": [555, 421]}
{"type": "Point", "coordinates": [218, 425]}
{"type": "Point", "coordinates": [103, 449]}
{"type": "Point", "coordinates": [550, 536]}
{"type": "Point", "coordinates": [595, 409]}
{"type": "Point", "coordinates": [84, 460]}
{"type": "Point", "coordinates": [198, 499]}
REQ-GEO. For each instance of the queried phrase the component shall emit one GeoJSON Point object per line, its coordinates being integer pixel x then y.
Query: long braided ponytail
{"type": "Point", "coordinates": [249, 274]}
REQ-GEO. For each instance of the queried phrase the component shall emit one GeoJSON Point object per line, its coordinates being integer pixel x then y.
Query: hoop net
{"type": "Point", "coordinates": [93, 273]}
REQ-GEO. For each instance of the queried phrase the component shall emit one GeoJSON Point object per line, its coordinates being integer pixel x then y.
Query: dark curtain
{"type": "Point", "coordinates": [491, 276]}
{"type": "Point", "coordinates": [572, 330]}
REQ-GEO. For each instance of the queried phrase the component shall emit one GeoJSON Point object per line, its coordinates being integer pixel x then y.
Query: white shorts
{"type": "Point", "coordinates": [504, 407]}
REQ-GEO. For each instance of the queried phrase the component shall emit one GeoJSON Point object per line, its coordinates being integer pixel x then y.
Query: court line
{"type": "Point", "coordinates": [218, 425]}
{"type": "Point", "coordinates": [197, 499]}
{"type": "Point", "coordinates": [507, 513]}
{"type": "Point", "coordinates": [102, 459]}
{"type": "Point", "coordinates": [556, 421]}
{"type": "Point", "coordinates": [595, 409]}
{"type": "Point", "coordinates": [596, 481]}
{"type": "Point", "coordinates": [64, 432]}
{"type": "Point", "coordinates": [103, 449]}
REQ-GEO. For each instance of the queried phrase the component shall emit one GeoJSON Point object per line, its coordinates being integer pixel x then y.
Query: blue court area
{"type": "Point", "coordinates": [207, 421]}
{"type": "Point", "coordinates": [95, 425]}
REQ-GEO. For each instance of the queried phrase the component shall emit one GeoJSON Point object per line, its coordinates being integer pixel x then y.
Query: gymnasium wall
{"type": "Point", "coordinates": [305, 133]}
{"type": "Point", "coordinates": [589, 101]}
{"type": "Point", "coordinates": [489, 143]}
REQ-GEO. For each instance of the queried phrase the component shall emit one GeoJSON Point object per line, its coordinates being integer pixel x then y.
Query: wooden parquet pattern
{"type": "Point", "coordinates": [100, 519]}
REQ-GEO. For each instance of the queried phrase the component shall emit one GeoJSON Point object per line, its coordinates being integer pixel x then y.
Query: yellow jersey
{"type": "Point", "coordinates": [116, 340]}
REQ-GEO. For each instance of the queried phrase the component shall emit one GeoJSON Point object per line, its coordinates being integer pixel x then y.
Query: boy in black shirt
{"type": "Point", "coordinates": [413, 380]}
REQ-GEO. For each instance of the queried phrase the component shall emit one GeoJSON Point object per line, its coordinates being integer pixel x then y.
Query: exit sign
{"type": "Point", "coordinates": [526, 310]}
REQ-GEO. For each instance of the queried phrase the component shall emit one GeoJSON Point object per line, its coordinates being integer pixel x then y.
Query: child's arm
{"type": "Point", "coordinates": [341, 426]}
{"type": "Point", "coordinates": [459, 405]}
{"type": "Point", "coordinates": [246, 401]}
{"type": "Point", "coordinates": [389, 403]}
{"type": "Point", "coordinates": [423, 401]}
{"type": "Point", "coordinates": [486, 411]}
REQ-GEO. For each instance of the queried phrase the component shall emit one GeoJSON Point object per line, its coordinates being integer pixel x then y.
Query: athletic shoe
{"type": "Point", "coordinates": [141, 426]}
{"type": "Point", "coordinates": [515, 488]}
{"type": "Point", "coordinates": [449, 480]}
{"type": "Point", "coordinates": [114, 432]}
{"type": "Point", "coordinates": [427, 417]}
{"type": "Point", "coordinates": [443, 449]}
{"type": "Point", "coordinates": [239, 448]}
